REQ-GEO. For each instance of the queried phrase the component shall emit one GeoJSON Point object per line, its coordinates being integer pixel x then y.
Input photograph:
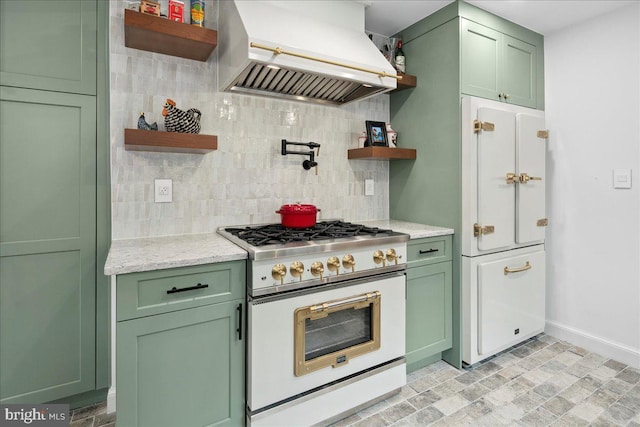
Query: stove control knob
{"type": "Point", "coordinates": [378, 258]}
{"type": "Point", "coordinates": [392, 256]}
{"type": "Point", "coordinates": [296, 269]}
{"type": "Point", "coordinates": [317, 269]}
{"type": "Point", "coordinates": [333, 264]}
{"type": "Point", "coordinates": [278, 272]}
{"type": "Point", "coordinates": [349, 262]}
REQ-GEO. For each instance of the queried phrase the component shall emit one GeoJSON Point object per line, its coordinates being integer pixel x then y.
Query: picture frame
{"type": "Point", "coordinates": [376, 133]}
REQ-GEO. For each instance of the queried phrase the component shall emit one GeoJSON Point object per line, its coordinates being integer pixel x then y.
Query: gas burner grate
{"type": "Point", "coordinates": [277, 234]}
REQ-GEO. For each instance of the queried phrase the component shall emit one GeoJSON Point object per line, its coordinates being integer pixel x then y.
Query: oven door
{"type": "Point", "coordinates": [333, 332]}
{"type": "Point", "coordinates": [299, 342]}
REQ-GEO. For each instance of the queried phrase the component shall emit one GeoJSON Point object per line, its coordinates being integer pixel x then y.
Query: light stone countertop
{"type": "Point", "coordinates": [157, 253]}
{"type": "Point", "coordinates": [416, 231]}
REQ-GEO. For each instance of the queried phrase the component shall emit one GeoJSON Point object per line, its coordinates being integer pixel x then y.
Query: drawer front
{"type": "Point", "coordinates": [163, 291]}
{"type": "Point", "coordinates": [428, 251]}
{"type": "Point", "coordinates": [511, 300]}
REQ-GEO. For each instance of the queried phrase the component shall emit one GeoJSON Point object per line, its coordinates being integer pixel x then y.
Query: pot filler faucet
{"type": "Point", "coordinates": [307, 164]}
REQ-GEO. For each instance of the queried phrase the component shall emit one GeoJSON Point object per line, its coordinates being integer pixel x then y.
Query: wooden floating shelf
{"type": "Point", "coordinates": [382, 153]}
{"type": "Point", "coordinates": [407, 82]}
{"type": "Point", "coordinates": [161, 35]}
{"type": "Point", "coordinates": [170, 142]}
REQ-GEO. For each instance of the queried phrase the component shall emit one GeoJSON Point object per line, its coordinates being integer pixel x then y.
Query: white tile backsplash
{"type": "Point", "coordinates": [246, 179]}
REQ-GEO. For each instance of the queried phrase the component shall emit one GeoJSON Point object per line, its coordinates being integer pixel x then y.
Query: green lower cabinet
{"type": "Point", "coordinates": [47, 245]}
{"type": "Point", "coordinates": [183, 368]}
{"type": "Point", "coordinates": [429, 316]}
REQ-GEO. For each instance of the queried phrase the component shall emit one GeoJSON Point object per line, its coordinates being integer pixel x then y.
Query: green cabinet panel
{"type": "Point", "coordinates": [497, 66]}
{"type": "Point", "coordinates": [47, 244]}
{"type": "Point", "coordinates": [184, 368]}
{"type": "Point", "coordinates": [520, 68]}
{"type": "Point", "coordinates": [49, 44]}
{"type": "Point", "coordinates": [429, 313]}
{"type": "Point", "coordinates": [429, 250]}
{"type": "Point", "coordinates": [460, 49]}
{"type": "Point", "coordinates": [144, 294]}
{"type": "Point", "coordinates": [480, 60]}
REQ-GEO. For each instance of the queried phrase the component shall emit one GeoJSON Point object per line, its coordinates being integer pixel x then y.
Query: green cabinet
{"type": "Point", "coordinates": [458, 50]}
{"type": "Point", "coordinates": [429, 301]}
{"type": "Point", "coordinates": [47, 245]}
{"type": "Point", "coordinates": [183, 362]}
{"type": "Point", "coordinates": [497, 66]}
{"type": "Point", "coordinates": [49, 44]}
{"type": "Point", "coordinates": [54, 201]}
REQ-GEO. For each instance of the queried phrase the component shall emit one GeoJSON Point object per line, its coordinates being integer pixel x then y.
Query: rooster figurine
{"type": "Point", "coordinates": [176, 120]}
{"type": "Point", "coordinates": [142, 123]}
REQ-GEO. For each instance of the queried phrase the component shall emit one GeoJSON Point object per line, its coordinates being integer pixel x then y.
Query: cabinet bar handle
{"type": "Point", "coordinates": [508, 270]}
{"type": "Point", "coordinates": [239, 330]}
{"type": "Point", "coordinates": [428, 251]}
{"type": "Point", "coordinates": [190, 288]}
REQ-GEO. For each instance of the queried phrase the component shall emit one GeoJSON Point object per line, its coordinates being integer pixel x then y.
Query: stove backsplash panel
{"type": "Point", "coordinates": [247, 179]}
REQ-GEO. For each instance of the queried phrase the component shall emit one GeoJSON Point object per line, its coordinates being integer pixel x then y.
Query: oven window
{"type": "Point", "coordinates": [338, 331]}
{"type": "Point", "coordinates": [332, 332]}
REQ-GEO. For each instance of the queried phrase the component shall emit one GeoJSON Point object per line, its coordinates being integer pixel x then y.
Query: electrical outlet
{"type": "Point", "coordinates": [368, 187]}
{"type": "Point", "coordinates": [163, 191]}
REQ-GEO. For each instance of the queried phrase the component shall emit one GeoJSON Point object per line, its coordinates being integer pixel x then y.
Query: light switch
{"type": "Point", "coordinates": [622, 178]}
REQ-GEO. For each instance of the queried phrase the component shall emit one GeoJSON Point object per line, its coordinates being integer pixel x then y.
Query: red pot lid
{"type": "Point", "coordinates": [298, 208]}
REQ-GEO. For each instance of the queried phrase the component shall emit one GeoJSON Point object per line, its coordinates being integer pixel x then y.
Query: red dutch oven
{"type": "Point", "coordinates": [298, 216]}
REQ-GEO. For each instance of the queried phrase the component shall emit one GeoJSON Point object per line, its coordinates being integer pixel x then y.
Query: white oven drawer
{"type": "Point", "coordinates": [503, 301]}
{"type": "Point", "coordinates": [271, 375]}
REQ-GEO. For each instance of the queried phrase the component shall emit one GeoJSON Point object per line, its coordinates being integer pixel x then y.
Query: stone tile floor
{"type": "Point", "coordinates": [540, 382]}
{"type": "Point", "coordinates": [93, 416]}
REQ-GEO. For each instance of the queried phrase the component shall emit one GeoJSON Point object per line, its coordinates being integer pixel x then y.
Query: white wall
{"type": "Point", "coordinates": [592, 89]}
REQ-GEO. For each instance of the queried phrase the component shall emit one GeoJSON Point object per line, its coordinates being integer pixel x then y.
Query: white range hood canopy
{"type": "Point", "coordinates": [268, 50]}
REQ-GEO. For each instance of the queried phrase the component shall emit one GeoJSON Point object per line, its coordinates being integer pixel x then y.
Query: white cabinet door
{"type": "Point", "coordinates": [496, 197]}
{"type": "Point", "coordinates": [511, 300]}
{"type": "Point", "coordinates": [530, 206]}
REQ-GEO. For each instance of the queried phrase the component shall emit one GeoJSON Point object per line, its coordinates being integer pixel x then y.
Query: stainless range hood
{"type": "Point", "coordinates": [271, 51]}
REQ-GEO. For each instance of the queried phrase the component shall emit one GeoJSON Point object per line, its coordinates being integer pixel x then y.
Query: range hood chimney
{"type": "Point", "coordinates": [268, 50]}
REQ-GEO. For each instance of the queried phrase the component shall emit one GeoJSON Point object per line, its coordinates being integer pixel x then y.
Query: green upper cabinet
{"type": "Point", "coordinates": [497, 66]}
{"type": "Point", "coordinates": [31, 30]}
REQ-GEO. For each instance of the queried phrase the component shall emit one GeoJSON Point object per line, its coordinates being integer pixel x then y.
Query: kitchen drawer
{"type": "Point", "coordinates": [149, 293]}
{"type": "Point", "coordinates": [429, 250]}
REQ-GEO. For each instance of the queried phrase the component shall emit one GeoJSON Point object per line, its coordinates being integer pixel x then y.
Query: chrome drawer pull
{"type": "Point", "coordinates": [191, 288]}
{"type": "Point", "coordinates": [508, 270]}
{"type": "Point", "coordinates": [428, 251]}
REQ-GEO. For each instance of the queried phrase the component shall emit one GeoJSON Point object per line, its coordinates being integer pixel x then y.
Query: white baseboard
{"type": "Point", "coordinates": [111, 400]}
{"type": "Point", "coordinates": [612, 350]}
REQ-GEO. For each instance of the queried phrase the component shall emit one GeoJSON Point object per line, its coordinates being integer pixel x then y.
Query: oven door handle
{"type": "Point", "coordinates": [326, 306]}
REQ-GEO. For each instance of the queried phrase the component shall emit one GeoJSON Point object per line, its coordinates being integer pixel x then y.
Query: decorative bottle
{"type": "Point", "coordinates": [400, 60]}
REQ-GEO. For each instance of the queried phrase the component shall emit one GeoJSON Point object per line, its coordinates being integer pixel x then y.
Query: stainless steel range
{"type": "Point", "coordinates": [326, 319]}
